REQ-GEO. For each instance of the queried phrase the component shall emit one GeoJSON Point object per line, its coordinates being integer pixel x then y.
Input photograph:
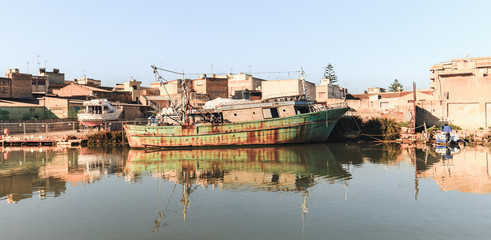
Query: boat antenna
{"type": "Point", "coordinates": [162, 80]}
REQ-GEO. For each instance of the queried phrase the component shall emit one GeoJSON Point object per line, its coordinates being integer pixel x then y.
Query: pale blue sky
{"type": "Point", "coordinates": [369, 43]}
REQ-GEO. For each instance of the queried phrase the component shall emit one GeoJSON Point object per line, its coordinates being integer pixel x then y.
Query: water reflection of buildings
{"type": "Point", "coordinates": [46, 171]}
{"type": "Point", "coordinates": [454, 169]}
{"type": "Point", "coordinates": [467, 170]}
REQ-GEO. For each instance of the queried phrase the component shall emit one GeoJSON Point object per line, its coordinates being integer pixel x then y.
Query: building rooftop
{"type": "Point", "coordinates": [20, 103]}
{"type": "Point", "coordinates": [389, 94]}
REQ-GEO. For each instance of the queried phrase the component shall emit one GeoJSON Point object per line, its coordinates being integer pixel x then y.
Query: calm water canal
{"type": "Point", "coordinates": [320, 191]}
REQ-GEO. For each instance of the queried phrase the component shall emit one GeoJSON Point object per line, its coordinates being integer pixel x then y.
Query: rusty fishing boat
{"type": "Point", "coordinates": [279, 120]}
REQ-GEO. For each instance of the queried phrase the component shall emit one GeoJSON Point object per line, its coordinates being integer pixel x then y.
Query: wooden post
{"type": "Point", "coordinates": [427, 138]}
{"type": "Point", "coordinates": [414, 107]}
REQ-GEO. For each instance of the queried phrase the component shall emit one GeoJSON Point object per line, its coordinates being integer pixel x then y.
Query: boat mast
{"type": "Point", "coordinates": [185, 100]}
{"type": "Point", "coordinates": [182, 117]}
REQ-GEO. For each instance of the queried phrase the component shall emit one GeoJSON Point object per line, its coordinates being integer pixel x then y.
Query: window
{"type": "Point", "coordinates": [270, 113]}
{"type": "Point", "coordinates": [274, 113]}
{"type": "Point", "coordinates": [301, 110]}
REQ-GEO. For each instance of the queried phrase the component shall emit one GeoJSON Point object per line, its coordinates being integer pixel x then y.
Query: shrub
{"type": "Point", "coordinates": [455, 127]}
{"type": "Point", "coordinates": [106, 137]}
{"type": "Point", "coordinates": [382, 128]}
{"type": "Point", "coordinates": [390, 129]}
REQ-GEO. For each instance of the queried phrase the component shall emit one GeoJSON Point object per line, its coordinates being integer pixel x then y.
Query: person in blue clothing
{"type": "Point", "coordinates": [447, 130]}
{"type": "Point", "coordinates": [152, 121]}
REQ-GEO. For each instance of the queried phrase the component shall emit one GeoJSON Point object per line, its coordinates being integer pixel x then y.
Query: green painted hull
{"type": "Point", "coordinates": [302, 128]}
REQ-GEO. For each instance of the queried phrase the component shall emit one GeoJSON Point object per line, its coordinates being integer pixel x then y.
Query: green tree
{"type": "Point", "coordinates": [330, 74]}
{"type": "Point", "coordinates": [396, 86]}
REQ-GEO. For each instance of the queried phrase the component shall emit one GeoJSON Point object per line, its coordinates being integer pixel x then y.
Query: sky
{"type": "Point", "coordinates": [369, 43]}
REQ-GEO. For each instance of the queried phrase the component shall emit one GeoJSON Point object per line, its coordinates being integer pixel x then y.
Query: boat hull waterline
{"type": "Point", "coordinates": [302, 128]}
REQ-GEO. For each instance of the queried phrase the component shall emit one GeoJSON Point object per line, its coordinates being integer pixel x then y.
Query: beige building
{"type": "Point", "coordinates": [462, 89]}
{"type": "Point", "coordinates": [394, 105]}
{"type": "Point", "coordinates": [458, 94]}
{"type": "Point", "coordinates": [88, 81]}
{"type": "Point", "coordinates": [288, 87]}
{"type": "Point", "coordinates": [327, 92]}
{"type": "Point", "coordinates": [171, 87]}
{"type": "Point", "coordinates": [132, 86]}
{"type": "Point", "coordinates": [242, 82]}
{"type": "Point", "coordinates": [373, 90]}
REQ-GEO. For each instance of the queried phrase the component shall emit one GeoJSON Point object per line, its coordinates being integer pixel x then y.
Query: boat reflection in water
{"type": "Point", "coordinates": [292, 168]}
{"type": "Point", "coordinates": [447, 152]}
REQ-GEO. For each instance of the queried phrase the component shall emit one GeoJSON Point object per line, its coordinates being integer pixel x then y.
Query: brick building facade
{"type": "Point", "coordinates": [55, 77]}
{"type": "Point", "coordinates": [19, 86]}
{"type": "Point", "coordinates": [212, 86]}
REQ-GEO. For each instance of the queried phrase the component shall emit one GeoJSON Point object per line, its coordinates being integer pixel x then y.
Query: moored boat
{"type": "Point", "coordinates": [289, 119]}
{"type": "Point", "coordinates": [446, 136]}
{"type": "Point", "coordinates": [97, 111]}
{"type": "Point", "coordinates": [298, 128]}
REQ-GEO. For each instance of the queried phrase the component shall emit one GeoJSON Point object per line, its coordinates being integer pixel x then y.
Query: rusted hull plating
{"type": "Point", "coordinates": [308, 127]}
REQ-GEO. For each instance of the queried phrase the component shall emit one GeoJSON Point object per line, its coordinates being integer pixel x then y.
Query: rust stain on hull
{"type": "Point", "coordinates": [309, 127]}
